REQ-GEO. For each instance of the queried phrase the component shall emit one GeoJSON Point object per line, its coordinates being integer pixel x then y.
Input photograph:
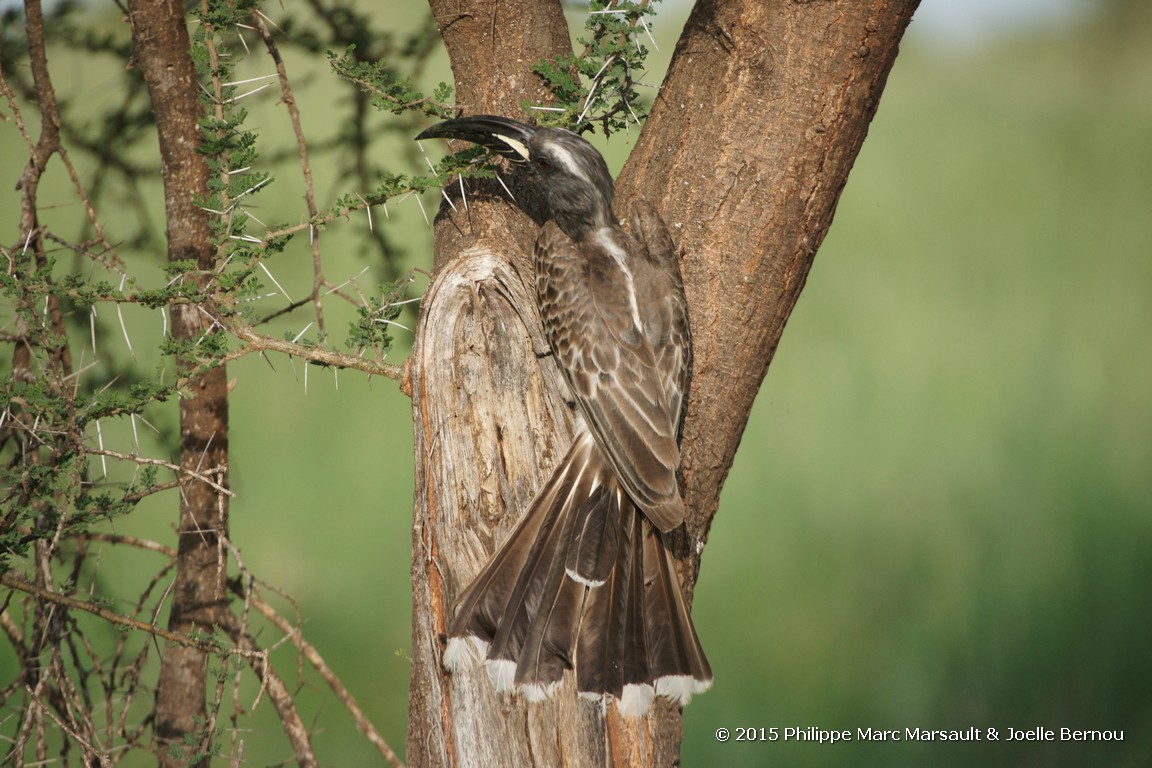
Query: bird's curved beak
{"type": "Point", "coordinates": [500, 134]}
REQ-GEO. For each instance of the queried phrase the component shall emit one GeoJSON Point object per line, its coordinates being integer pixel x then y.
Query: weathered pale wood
{"type": "Point", "coordinates": [488, 429]}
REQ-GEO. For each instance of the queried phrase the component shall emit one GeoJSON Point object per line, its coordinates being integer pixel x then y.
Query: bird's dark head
{"type": "Point", "coordinates": [572, 175]}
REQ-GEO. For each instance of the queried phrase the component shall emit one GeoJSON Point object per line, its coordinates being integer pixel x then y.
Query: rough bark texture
{"type": "Point", "coordinates": [747, 149]}
{"type": "Point", "coordinates": [161, 44]}
{"type": "Point", "coordinates": [487, 427]}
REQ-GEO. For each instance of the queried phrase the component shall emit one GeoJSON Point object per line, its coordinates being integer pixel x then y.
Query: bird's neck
{"type": "Point", "coordinates": [596, 227]}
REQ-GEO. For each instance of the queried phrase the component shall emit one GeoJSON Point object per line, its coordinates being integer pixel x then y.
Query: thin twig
{"type": "Point", "coordinates": [258, 21]}
{"type": "Point", "coordinates": [259, 343]}
{"type": "Point", "coordinates": [313, 656]}
{"type": "Point", "coordinates": [12, 581]}
{"type": "Point", "coordinates": [202, 477]}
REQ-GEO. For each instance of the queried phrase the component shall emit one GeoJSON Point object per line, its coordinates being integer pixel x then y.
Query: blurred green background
{"type": "Point", "coordinates": [939, 516]}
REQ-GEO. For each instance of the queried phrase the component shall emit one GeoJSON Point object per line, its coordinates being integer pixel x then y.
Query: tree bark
{"type": "Point", "coordinates": [161, 44]}
{"type": "Point", "coordinates": [747, 149]}
{"type": "Point", "coordinates": [487, 427]}
{"type": "Point", "coordinates": [745, 153]}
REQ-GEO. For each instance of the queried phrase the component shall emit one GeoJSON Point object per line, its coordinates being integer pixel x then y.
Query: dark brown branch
{"type": "Point", "coordinates": [47, 145]}
{"type": "Point", "coordinates": [162, 47]}
{"type": "Point", "coordinates": [52, 334]}
{"type": "Point", "coordinates": [746, 151]}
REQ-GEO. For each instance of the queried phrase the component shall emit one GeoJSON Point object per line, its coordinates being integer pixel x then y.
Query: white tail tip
{"type": "Point", "coordinates": [536, 692]}
{"type": "Point", "coordinates": [502, 673]}
{"type": "Point", "coordinates": [463, 652]}
{"type": "Point", "coordinates": [680, 688]}
{"type": "Point", "coordinates": [636, 700]}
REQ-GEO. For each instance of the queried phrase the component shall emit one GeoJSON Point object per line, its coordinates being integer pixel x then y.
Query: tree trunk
{"type": "Point", "coordinates": [161, 44]}
{"type": "Point", "coordinates": [748, 146]}
{"type": "Point", "coordinates": [745, 153]}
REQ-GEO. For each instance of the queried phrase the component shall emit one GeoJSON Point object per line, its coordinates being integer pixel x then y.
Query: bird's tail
{"type": "Point", "coordinates": [585, 582]}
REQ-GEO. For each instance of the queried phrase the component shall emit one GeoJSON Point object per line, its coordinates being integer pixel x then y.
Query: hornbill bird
{"type": "Point", "coordinates": [586, 579]}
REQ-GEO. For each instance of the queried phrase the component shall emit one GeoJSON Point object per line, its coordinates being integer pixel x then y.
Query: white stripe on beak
{"type": "Point", "coordinates": [517, 146]}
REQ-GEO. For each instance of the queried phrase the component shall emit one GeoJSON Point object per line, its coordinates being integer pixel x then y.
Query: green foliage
{"type": "Point", "coordinates": [116, 402]}
{"type": "Point", "coordinates": [598, 85]}
{"type": "Point", "coordinates": [370, 331]}
{"type": "Point", "coordinates": [199, 746]}
{"type": "Point", "coordinates": [390, 92]}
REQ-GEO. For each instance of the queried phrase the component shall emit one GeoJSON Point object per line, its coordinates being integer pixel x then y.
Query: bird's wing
{"type": "Point", "coordinates": [662, 267]}
{"type": "Point", "coordinates": [619, 330]}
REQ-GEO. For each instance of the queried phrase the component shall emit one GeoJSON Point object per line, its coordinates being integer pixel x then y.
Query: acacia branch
{"type": "Point", "coordinates": [201, 475]}
{"type": "Point", "coordinates": [302, 147]}
{"type": "Point", "coordinates": [245, 647]}
{"type": "Point", "coordinates": [278, 694]}
{"type": "Point", "coordinates": [309, 354]}
{"type": "Point", "coordinates": [47, 145]}
{"type": "Point", "coordinates": [245, 641]}
{"type": "Point", "coordinates": [12, 581]}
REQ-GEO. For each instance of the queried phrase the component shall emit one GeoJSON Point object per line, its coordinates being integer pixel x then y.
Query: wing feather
{"type": "Point", "coordinates": [614, 311]}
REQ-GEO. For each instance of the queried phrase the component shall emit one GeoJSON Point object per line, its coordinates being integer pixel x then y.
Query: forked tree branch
{"type": "Point", "coordinates": [748, 146]}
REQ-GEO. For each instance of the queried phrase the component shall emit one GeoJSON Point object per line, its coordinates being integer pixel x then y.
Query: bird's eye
{"type": "Point", "coordinates": [543, 163]}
